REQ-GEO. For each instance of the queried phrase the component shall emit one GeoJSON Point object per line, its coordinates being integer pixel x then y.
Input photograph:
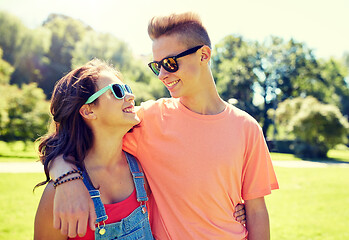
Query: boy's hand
{"type": "Point", "coordinates": [73, 209]}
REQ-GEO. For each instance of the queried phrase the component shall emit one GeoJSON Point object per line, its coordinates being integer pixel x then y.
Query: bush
{"type": "Point", "coordinates": [281, 146]}
{"type": "Point", "coordinates": [317, 127]}
{"type": "Point", "coordinates": [24, 112]}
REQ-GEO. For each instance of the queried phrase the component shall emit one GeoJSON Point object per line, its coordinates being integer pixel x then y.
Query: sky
{"type": "Point", "coordinates": [322, 25]}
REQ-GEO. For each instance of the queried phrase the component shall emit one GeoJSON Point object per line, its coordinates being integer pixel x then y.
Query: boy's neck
{"type": "Point", "coordinates": [205, 104]}
{"type": "Point", "coordinates": [206, 100]}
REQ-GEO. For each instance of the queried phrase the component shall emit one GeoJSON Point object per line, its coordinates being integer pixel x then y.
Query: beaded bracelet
{"type": "Point", "coordinates": [66, 174]}
{"type": "Point", "coordinates": [55, 184]}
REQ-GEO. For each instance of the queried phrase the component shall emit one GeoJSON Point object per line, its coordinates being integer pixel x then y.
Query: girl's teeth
{"type": "Point", "coordinates": [128, 110]}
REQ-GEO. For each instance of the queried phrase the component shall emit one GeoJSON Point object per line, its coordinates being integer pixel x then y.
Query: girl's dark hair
{"type": "Point", "coordinates": [71, 136]}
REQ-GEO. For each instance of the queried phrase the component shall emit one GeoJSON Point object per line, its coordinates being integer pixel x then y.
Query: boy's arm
{"type": "Point", "coordinates": [257, 219]}
{"type": "Point", "coordinates": [73, 208]}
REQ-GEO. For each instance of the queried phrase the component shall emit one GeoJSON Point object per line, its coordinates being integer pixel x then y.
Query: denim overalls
{"type": "Point", "coordinates": [134, 226]}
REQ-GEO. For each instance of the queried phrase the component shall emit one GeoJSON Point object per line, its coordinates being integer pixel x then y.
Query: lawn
{"type": "Point", "coordinates": [18, 152]}
{"type": "Point", "coordinates": [339, 155]}
{"type": "Point", "coordinates": [27, 152]}
{"type": "Point", "coordinates": [311, 204]}
{"type": "Point", "coordinates": [18, 204]}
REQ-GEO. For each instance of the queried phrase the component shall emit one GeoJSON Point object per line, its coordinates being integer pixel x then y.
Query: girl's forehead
{"type": "Point", "coordinates": [106, 78]}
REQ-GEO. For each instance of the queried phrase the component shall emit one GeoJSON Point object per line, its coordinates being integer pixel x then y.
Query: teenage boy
{"type": "Point", "coordinates": [201, 155]}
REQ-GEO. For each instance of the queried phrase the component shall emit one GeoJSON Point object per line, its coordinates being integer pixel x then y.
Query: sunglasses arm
{"type": "Point", "coordinates": [97, 94]}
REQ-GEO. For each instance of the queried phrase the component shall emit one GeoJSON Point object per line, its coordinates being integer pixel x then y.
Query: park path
{"type": "Point", "coordinates": [21, 167]}
{"type": "Point", "coordinates": [309, 164]}
{"type": "Point", "coordinates": [36, 167]}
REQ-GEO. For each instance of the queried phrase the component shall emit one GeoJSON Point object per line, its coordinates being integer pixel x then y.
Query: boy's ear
{"type": "Point", "coordinates": [87, 112]}
{"type": "Point", "coordinates": [205, 54]}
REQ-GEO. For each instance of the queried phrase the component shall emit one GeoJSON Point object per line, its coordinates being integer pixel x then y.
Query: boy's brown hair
{"type": "Point", "coordinates": [187, 26]}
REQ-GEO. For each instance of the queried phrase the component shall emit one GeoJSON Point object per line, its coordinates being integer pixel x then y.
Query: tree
{"type": "Point", "coordinates": [116, 52]}
{"type": "Point", "coordinates": [12, 32]}
{"type": "Point", "coordinates": [103, 46]}
{"type": "Point", "coordinates": [233, 61]}
{"type": "Point", "coordinates": [65, 33]}
{"type": "Point", "coordinates": [24, 49]}
{"type": "Point", "coordinates": [32, 57]}
{"type": "Point", "coordinates": [24, 114]}
{"type": "Point", "coordinates": [335, 75]}
{"type": "Point", "coordinates": [318, 127]}
{"type": "Point", "coordinates": [284, 70]}
{"type": "Point", "coordinates": [5, 70]}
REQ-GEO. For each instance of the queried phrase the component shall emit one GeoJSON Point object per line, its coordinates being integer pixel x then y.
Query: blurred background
{"type": "Point", "coordinates": [284, 62]}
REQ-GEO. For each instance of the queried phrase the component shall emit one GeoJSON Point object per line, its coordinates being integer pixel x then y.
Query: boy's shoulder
{"type": "Point", "coordinates": [160, 103]}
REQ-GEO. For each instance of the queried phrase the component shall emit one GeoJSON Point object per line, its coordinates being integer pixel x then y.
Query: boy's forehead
{"type": "Point", "coordinates": [166, 46]}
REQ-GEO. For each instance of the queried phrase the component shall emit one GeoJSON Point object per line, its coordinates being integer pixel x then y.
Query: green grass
{"type": "Point", "coordinates": [311, 204]}
{"type": "Point", "coordinates": [27, 152]}
{"type": "Point", "coordinates": [18, 204]}
{"type": "Point", "coordinates": [341, 155]}
{"type": "Point", "coordinates": [18, 152]}
{"type": "Point", "coordinates": [283, 157]}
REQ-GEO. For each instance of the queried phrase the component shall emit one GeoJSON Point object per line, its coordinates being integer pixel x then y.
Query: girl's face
{"type": "Point", "coordinates": [113, 112]}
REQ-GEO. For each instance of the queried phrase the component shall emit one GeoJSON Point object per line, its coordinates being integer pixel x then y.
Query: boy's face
{"type": "Point", "coordinates": [185, 81]}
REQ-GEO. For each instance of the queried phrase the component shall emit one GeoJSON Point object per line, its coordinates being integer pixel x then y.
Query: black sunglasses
{"type": "Point", "coordinates": [170, 64]}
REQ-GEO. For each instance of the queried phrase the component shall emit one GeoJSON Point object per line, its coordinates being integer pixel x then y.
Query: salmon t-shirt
{"type": "Point", "coordinates": [199, 167]}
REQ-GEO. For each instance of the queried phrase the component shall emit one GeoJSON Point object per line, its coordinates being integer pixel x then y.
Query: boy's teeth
{"type": "Point", "coordinates": [172, 83]}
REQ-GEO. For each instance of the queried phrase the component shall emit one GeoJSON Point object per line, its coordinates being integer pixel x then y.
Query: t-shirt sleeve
{"type": "Point", "coordinates": [258, 176]}
{"type": "Point", "coordinates": [130, 141]}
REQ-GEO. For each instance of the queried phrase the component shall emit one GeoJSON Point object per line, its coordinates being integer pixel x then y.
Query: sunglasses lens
{"type": "Point", "coordinates": [128, 88]}
{"type": "Point", "coordinates": [118, 91]}
{"type": "Point", "coordinates": [155, 68]}
{"type": "Point", "coordinates": [170, 64]}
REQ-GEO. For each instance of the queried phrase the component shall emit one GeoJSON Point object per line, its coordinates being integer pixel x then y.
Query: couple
{"type": "Point", "coordinates": [201, 156]}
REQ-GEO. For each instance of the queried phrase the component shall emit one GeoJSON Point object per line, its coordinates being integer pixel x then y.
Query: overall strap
{"type": "Point", "coordinates": [96, 198]}
{"type": "Point", "coordinates": [138, 178]}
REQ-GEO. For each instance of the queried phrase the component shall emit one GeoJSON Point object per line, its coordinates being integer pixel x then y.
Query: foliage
{"type": "Point", "coordinates": [65, 32]}
{"type": "Point", "coordinates": [254, 76]}
{"type": "Point", "coordinates": [335, 75]}
{"type": "Point", "coordinates": [232, 66]}
{"type": "Point", "coordinates": [32, 57]}
{"type": "Point", "coordinates": [12, 32]}
{"type": "Point", "coordinates": [24, 113]}
{"type": "Point", "coordinates": [5, 71]}
{"type": "Point", "coordinates": [283, 69]}
{"type": "Point", "coordinates": [318, 126]}
{"type": "Point", "coordinates": [106, 47]}
{"type": "Point", "coordinates": [260, 75]}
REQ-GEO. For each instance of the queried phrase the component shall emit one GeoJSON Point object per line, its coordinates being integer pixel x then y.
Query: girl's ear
{"type": "Point", "coordinates": [87, 112]}
{"type": "Point", "coordinates": [205, 54]}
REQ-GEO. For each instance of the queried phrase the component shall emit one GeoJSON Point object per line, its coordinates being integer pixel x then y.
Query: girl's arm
{"type": "Point", "coordinates": [43, 226]}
